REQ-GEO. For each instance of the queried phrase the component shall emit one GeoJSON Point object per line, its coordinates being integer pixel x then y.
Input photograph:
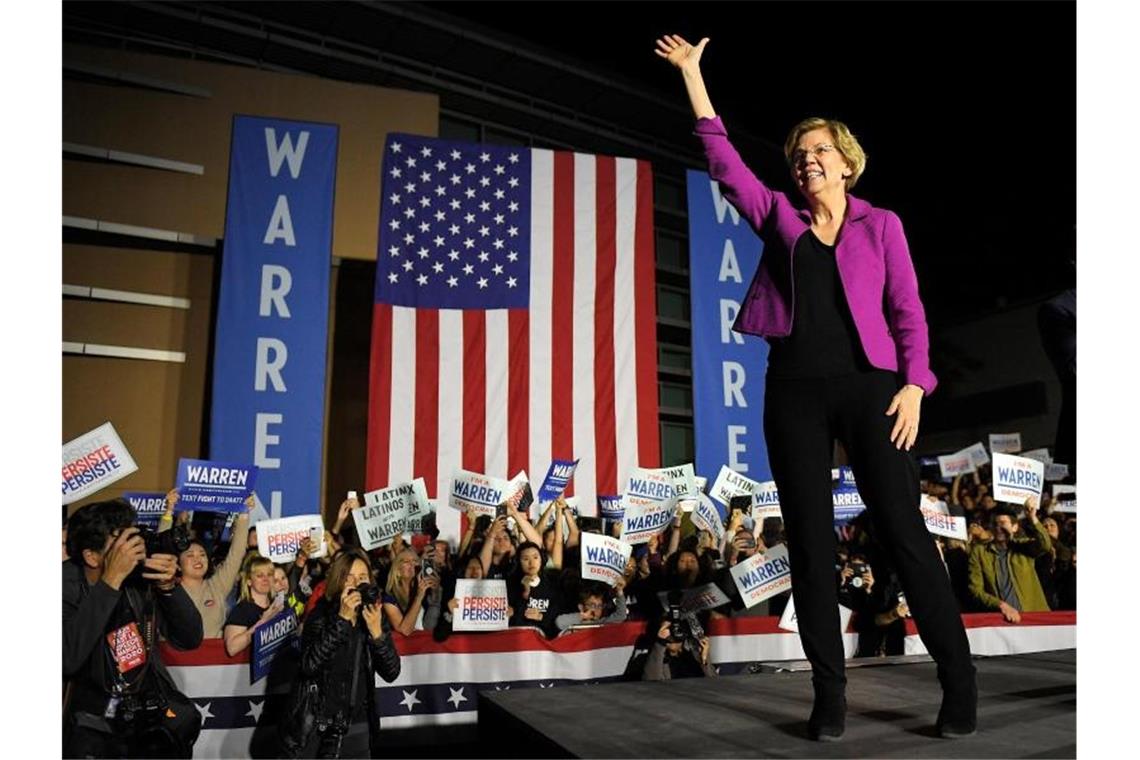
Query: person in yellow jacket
{"type": "Point", "coordinates": [1003, 575]}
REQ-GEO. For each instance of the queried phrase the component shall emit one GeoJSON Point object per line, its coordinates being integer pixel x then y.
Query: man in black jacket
{"type": "Point", "coordinates": [116, 600]}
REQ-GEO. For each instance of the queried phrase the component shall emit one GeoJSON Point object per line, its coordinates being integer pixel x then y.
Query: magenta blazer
{"type": "Point", "coordinates": [871, 253]}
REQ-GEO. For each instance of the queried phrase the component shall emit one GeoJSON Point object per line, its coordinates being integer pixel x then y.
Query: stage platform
{"type": "Point", "coordinates": [1027, 708]}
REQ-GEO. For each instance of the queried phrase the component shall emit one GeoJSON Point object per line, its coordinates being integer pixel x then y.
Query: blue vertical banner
{"type": "Point", "coordinates": [271, 339]}
{"type": "Point", "coordinates": [728, 368]}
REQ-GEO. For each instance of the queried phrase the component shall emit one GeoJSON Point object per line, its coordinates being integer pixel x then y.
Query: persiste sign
{"type": "Point", "coordinates": [959, 463]}
{"type": "Point", "coordinates": [481, 605]}
{"type": "Point", "coordinates": [938, 519]}
{"type": "Point", "coordinates": [1005, 443]}
{"type": "Point", "coordinates": [281, 539]}
{"type": "Point", "coordinates": [1017, 478]}
{"type": "Point", "coordinates": [94, 461]}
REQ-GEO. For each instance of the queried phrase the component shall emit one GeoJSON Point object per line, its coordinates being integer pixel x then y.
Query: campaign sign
{"type": "Point", "coordinates": [556, 480]}
{"type": "Point", "coordinates": [1041, 455]}
{"type": "Point", "coordinates": [938, 519]}
{"type": "Point", "coordinates": [520, 493]}
{"type": "Point", "coordinates": [1017, 478]}
{"type": "Point", "coordinates": [729, 483]}
{"type": "Point", "coordinates": [763, 575]}
{"type": "Point", "coordinates": [1055, 471]}
{"type": "Point", "coordinates": [978, 454]}
{"type": "Point", "coordinates": [766, 501]}
{"type": "Point", "coordinates": [610, 507]}
{"type": "Point", "coordinates": [789, 622]}
{"type": "Point", "coordinates": [149, 507]}
{"type": "Point", "coordinates": [272, 331]}
{"type": "Point", "coordinates": [649, 503]}
{"type": "Point", "coordinates": [728, 366]}
{"type": "Point", "coordinates": [698, 598]}
{"type": "Point", "coordinates": [270, 640]}
{"type": "Point", "coordinates": [386, 512]}
{"type": "Point", "coordinates": [959, 463]}
{"type": "Point", "coordinates": [208, 486]}
{"type": "Point", "coordinates": [846, 503]}
{"type": "Point", "coordinates": [603, 558]}
{"type": "Point", "coordinates": [1064, 498]}
{"type": "Point", "coordinates": [706, 517]}
{"type": "Point", "coordinates": [684, 484]}
{"type": "Point", "coordinates": [1005, 443]}
{"type": "Point", "coordinates": [94, 461]}
{"type": "Point", "coordinates": [482, 605]}
{"type": "Point", "coordinates": [480, 492]}
{"type": "Point", "coordinates": [281, 539]}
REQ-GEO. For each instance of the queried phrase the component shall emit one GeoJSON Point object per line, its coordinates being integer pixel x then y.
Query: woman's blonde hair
{"type": "Point", "coordinates": [255, 561]}
{"type": "Point", "coordinates": [393, 585]}
{"type": "Point", "coordinates": [843, 140]}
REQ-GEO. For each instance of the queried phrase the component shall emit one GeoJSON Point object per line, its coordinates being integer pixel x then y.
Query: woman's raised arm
{"type": "Point", "coordinates": [687, 58]}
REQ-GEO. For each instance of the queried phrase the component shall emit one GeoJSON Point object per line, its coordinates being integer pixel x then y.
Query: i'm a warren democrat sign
{"type": "Point", "coordinates": [763, 575]}
{"type": "Point", "coordinates": [649, 503]}
{"type": "Point", "coordinates": [209, 486]}
{"type": "Point", "coordinates": [94, 461]}
{"type": "Point", "coordinates": [273, 306]}
{"type": "Point", "coordinates": [479, 492]}
{"type": "Point", "coordinates": [1017, 478]}
{"type": "Point", "coordinates": [603, 558]}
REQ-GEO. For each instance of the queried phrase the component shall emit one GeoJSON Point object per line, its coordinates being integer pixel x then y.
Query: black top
{"type": "Point", "coordinates": [824, 341]}
{"type": "Point", "coordinates": [246, 613]}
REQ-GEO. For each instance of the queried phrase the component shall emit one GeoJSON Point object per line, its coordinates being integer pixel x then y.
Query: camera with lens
{"type": "Point", "coordinates": [427, 566]}
{"type": "Point", "coordinates": [173, 541]}
{"type": "Point", "coordinates": [684, 628]}
{"type": "Point", "coordinates": [856, 580]}
{"type": "Point", "coordinates": [369, 593]}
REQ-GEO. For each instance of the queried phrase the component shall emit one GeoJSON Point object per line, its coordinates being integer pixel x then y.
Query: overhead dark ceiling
{"type": "Point", "coordinates": [966, 110]}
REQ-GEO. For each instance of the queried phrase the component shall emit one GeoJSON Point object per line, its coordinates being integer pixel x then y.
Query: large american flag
{"type": "Point", "coordinates": [514, 318]}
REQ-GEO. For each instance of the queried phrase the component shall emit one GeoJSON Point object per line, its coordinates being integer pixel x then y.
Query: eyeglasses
{"type": "Point", "coordinates": [817, 151]}
{"type": "Point", "coordinates": [594, 605]}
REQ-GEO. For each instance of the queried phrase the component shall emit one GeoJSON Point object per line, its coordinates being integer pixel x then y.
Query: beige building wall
{"type": "Point", "coordinates": [182, 111]}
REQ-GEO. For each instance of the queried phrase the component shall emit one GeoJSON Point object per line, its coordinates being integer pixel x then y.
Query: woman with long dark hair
{"type": "Point", "coordinates": [344, 642]}
{"type": "Point", "coordinates": [836, 297]}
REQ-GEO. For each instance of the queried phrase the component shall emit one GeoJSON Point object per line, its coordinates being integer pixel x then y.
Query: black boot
{"type": "Point", "coordinates": [829, 713]}
{"type": "Point", "coordinates": [958, 716]}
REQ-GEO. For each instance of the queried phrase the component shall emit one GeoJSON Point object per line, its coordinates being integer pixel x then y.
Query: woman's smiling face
{"type": "Point", "coordinates": [817, 165]}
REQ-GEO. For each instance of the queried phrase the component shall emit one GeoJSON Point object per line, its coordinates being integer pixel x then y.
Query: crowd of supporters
{"type": "Point", "coordinates": [1013, 560]}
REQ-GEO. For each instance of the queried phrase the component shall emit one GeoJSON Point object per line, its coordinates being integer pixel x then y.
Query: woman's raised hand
{"type": "Point", "coordinates": [680, 53]}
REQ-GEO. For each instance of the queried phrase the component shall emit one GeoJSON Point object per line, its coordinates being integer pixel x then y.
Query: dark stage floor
{"type": "Point", "coordinates": [1027, 708]}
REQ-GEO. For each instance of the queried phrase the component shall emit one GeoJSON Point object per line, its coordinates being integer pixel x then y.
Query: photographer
{"type": "Point", "coordinates": [679, 651]}
{"type": "Point", "coordinates": [119, 594]}
{"type": "Point", "coordinates": [406, 594]}
{"type": "Point", "coordinates": [345, 640]}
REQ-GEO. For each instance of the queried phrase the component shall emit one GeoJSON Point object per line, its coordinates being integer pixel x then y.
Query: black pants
{"type": "Point", "coordinates": [801, 420]}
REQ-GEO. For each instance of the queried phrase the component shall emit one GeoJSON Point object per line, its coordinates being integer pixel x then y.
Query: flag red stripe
{"type": "Point", "coordinates": [605, 423]}
{"type": "Point", "coordinates": [379, 398]}
{"type": "Point", "coordinates": [645, 330]}
{"type": "Point", "coordinates": [474, 389]}
{"type": "Point", "coordinates": [518, 392]}
{"type": "Point", "coordinates": [427, 396]}
{"type": "Point", "coordinates": [562, 311]}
